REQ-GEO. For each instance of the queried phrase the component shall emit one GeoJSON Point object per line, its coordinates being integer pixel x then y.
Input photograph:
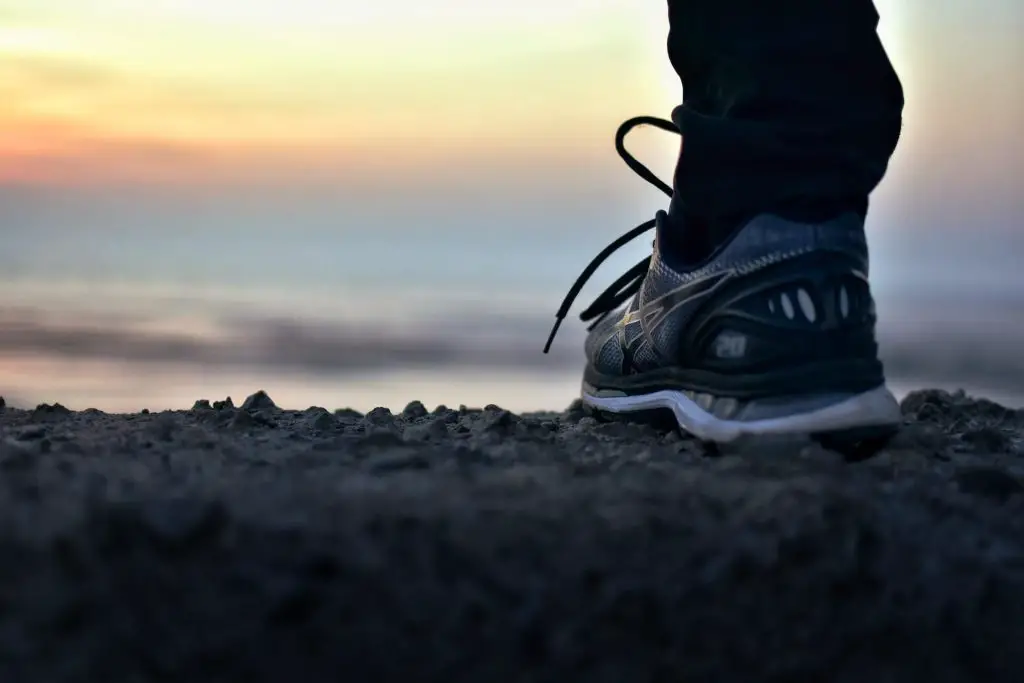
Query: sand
{"type": "Point", "coordinates": [262, 544]}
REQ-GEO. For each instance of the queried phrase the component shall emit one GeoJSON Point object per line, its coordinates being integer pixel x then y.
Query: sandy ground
{"type": "Point", "coordinates": [260, 544]}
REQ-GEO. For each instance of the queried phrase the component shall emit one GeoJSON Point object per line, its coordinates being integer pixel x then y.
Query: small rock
{"type": "Point", "coordinates": [226, 404]}
{"type": "Point", "coordinates": [380, 417]}
{"type": "Point", "coordinates": [674, 436]}
{"type": "Point", "coordinates": [988, 482]}
{"type": "Point", "coordinates": [497, 420]}
{"type": "Point", "coordinates": [934, 405]}
{"type": "Point", "coordinates": [324, 421]}
{"type": "Point", "coordinates": [264, 419]}
{"type": "Point", "coordinates": [210, 415]}
{"type": "Point", "coordinates": [531, 430]}
{"type": "Point", "coordinates": [929, 412]}
{"type": "Point", "coordinates": [916, 400]}
{"type": "Point", "coordinates": [50, 412]}
{"type": "Point", "coordinates": [432, 430]}
{"type": "Point", "coordinates": [259, 401]}
{"type": "Point", "coordinates": [575, 412]}
{"type": "Point", "coordinates": [988, 439]}
{"type": "Point", "coordinates": [414, 411]}
{"type": "Point", "coordinates": [348, 414]}
{"type": "Point", "coordinates": [3, 403]}
{"type": "Point", "coordinates": [201, 404]}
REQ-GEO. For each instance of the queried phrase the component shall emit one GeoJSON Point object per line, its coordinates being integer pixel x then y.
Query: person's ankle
{"type": "Point", "coordinates": [820, 209]}
{"type": "Point", "coordinates": [690, 238]}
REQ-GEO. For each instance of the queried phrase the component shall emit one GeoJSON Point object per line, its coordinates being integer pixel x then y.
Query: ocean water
{"type": "Point", "coordinates": [127, 319]}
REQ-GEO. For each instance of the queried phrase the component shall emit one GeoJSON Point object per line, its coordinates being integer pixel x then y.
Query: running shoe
{"type": "Point", "coordinates": [773, 334]}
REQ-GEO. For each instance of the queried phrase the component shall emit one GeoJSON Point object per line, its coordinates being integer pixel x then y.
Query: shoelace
{"type": "Point", "coordinates": [629, 284]}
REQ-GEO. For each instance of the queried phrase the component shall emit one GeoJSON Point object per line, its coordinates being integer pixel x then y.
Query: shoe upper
{"type": "Point", "coordinates": [778, 294]}
{"type": "Point", "coordinates": [781, 307]}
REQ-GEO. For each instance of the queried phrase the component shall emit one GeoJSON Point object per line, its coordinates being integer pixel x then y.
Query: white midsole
{"type": "Point", "coordinates": [877, 407]}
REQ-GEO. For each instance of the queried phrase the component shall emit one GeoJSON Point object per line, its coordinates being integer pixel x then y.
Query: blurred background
{"type": "Point", "coordinates": [352, 203]}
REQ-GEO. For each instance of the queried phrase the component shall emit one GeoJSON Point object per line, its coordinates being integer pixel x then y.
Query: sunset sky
{"type": "Point", "coordinates": [207, 165]}
{"type": "Point", "coordinates": [177, 90]}
{"type": "Point", "coordinates": [199, 91]}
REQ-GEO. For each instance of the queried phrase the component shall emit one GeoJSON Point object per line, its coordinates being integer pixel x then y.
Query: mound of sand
{"type": "Point", "coordinates": [252, 543]}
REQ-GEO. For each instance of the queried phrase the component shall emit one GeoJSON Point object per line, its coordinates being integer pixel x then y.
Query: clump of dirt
{"type": "Point", "coordinates": [255, 543]}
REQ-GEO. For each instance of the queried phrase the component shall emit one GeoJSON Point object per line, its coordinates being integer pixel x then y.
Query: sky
{"type": "Point", "coordinates": [171, 155]}
{"type": "Point", "coordinates": [193, 92]}
{"type": "Point", "coordinates": [314, 93]}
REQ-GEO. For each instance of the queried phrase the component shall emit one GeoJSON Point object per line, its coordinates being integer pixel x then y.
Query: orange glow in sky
{"type": "Point", "coordinates": [205, 90]}
{"type": "Point", "coordinates": [121, 89]}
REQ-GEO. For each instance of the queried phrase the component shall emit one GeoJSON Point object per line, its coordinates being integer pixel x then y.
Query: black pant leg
{"type": "Point", "coordinates": [788, 105]}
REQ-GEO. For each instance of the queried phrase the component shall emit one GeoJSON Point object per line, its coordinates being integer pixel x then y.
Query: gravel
{"type": "Point", "coordinates": [254, 543]}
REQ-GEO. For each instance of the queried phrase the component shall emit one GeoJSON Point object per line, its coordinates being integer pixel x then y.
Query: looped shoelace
{"type": "Point", "coordinates": [629, 284]}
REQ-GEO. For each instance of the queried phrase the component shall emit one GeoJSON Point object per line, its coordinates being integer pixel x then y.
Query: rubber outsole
{"type": "Point", "coordinates": [870, 416]}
